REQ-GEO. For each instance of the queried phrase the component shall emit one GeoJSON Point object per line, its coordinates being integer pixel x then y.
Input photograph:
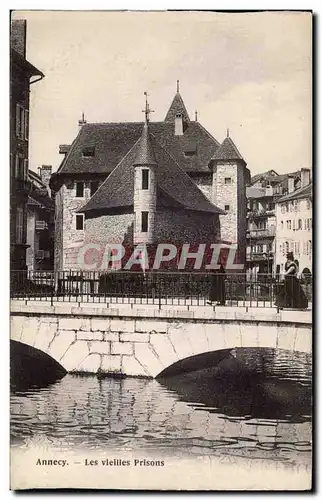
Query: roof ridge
{"type": "Point", "coordinates": [208, 133]}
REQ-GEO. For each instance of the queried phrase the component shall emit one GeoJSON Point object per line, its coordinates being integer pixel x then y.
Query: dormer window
{"type": "Point", "coordinates": [88, 151]}
{"type": "Point", "coordinates": [191, 149]}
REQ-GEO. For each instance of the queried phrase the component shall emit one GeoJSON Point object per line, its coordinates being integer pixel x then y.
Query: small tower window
{"type": "Point", "coordinates": [227, 180]}
{"type": "Point", "coordinates": [79, 189]}
{"type": "Point", "coordinates": [144, 222]}
{"type": "Point", "coordinates": [88, 151]}
{"type": "Point", "coordinates": [145, 178]}
{"type": "Point", "coordinates": [94, 187]}
{"type": "Point", "coordinates": [227, 207]}
{"type": "Point", "coordinates": [79, 222]}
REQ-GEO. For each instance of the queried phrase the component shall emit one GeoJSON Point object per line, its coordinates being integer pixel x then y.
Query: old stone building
{"type": "Point", "coordinates": [149, 183]}
{"type": "Point", "coordinates": [22, 75]}
{"type": "Point", "coordinates": [40, 221]}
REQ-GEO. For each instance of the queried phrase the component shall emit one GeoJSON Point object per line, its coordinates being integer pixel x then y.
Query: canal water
{"type": "Point", "coordinates": [254, 404]}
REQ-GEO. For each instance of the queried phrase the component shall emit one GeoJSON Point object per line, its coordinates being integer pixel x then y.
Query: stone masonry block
{"type": "Point", "coordinates": [69, 323]}
{"type": "Point", "coordinates": [151, 325]}
{"type": "Point", "coordinates": [102, 325]}
{"type": "Point", "coordinates": [16, 324]}
{"type": "Point", "coordinates": [100, 347]}
{"type": "Point", "coordinates": [74, 355]}
{"type": "Point", "coordinates": [122, 325]}
{"type": "Point", "coordinates": [30, 330]}
{"type": "Point", "coordinates": [133, 368]}
{"type": "Point", "coordinates": [111, 336]}
{"type": "Point", "coordinates": [134, 337]}
{"type": "Point", "coordinates": [60, 344]}
{"type": "Point", "coordinates": [303, 342]}
{"type": "Point", "coordinates": [122, 348]}
{"type": "Point", "coordinates": [111, 364]}
{"type": "Point", "coordinates": [164, 349]}
{"type": "Point", "coordinates": [148, 359]}
{"type": "Point", "coordinates": [46, 333]}
{"type": "Point", "coordinates": [82, 335]}
{"type": "Point", "coordinates": [90, 364]}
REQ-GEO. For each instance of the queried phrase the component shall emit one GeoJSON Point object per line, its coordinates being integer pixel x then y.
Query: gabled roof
{"type": "Point", "coordinates": [177, 107]}
{"type": "Point", "coordinates": [304, 192]}
{"type": "Point", "coordinates": [228, 151]}
{"type": "Point", "coordinates": [112, 141]}
{"type": "Point", "coordinates": [118, 189]}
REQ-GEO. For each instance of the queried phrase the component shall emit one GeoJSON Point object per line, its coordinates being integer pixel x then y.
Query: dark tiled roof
{"type": "Point", "coordinates": [264, 175]}
{"type": "Point", "coordinates": [305, 192]}
{"type": "Point", "coordinates": [144, 150]}
{"type": "Point", "coordinates": [112, 141]}
{"type": "Point", "coordinates": [177, 107]}
{"type": "Point", "coordinates": [227, 151]}
{"type": "Point", "coordinates": [117, 190]}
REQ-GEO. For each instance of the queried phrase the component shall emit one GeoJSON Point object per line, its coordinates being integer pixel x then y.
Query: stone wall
{"type": "Point", "coordinates": [144, 341]}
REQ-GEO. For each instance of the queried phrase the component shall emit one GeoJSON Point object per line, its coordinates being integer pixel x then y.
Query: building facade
{"type": "Point", "coordinates": [263, 195]}
{"type": "Point", "coordinates": [22, 75]}
{"type": "Point", "coordinates": [148, 183]}
{"type": "Point", "coordinates": [294, 226]}
{"type": "Point", "coordinates": [40, 221]}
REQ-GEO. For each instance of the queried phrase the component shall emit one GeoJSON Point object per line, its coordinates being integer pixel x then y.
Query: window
{"type": "Point", "coordinates": [19, 225]}
{"type": "Point", "coordinates": [26, 131]}
{"type": "Point", "coordinates": [79, 189]}
{"type": "Point", "coordinates": [227, 180]}
{"type": "Point", "coordinates": [145, 179]}
{"type": "Point", "coordinates": [308, 204]}
{"type": "Point", "coordinates": [144, 222]}
{"type": "Point", "coordinates": [282, 224]}
{"type": "Point", "coordinates": [20, 122]}
{"type": "Point", "coordinates": [227, 207]}
{"type": "Point", "coordinates": [283, 209]}
{"type": "Point", "coordinates": [293, 224]}
{"type": "Point", "coordinates": [299, 222]}
{"type": "Point", "coordinates": [21, 167]}
{"type": "Point", "coordinates": [94, 187]}
{"type": "Point", "coordinates": [79, 222]}
{"type": "Point", "coordinates": [88, 151]}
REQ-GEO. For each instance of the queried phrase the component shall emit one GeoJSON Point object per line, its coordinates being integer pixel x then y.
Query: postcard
{"type": "Point", "coordinates": [161, 250]}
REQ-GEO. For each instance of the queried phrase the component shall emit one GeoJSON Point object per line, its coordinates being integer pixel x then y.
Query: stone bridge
{"type": "Point", "coordinates": [141, 340]}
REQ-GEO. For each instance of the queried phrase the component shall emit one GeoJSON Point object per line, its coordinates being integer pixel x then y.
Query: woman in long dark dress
{"type": "Point", "coordinates": [218, 290]}
{"type": "Point", "coordinates": [291, 294]}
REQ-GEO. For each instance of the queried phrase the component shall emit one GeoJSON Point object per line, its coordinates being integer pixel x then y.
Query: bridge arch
{"type": "Point", "coordinates": [110, 342]}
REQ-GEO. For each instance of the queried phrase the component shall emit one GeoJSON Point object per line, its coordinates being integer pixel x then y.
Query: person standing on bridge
{"type": "Point", "coordinates": [291, 294]}
{"type": "Point", "coordinates": [218, 288]}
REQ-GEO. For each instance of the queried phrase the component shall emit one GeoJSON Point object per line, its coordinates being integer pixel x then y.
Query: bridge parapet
{"type": "Point", "coordinates": [142, 340]}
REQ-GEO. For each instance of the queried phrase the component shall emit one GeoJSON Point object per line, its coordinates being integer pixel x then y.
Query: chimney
{"type": "Point", "coordinates": [18, 36]}
{"type": "Point", "coordinates": [305, 177]}
{"type": "Point", "coordinates": [290, 185]}
{"type": "Point", "coordinates": [178, 125]}
{"type": "Point", "coordinates": [44, 173]}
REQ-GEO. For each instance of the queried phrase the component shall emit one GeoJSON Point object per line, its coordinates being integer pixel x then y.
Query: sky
{"type": "Point", "coordinates": [249, 72]}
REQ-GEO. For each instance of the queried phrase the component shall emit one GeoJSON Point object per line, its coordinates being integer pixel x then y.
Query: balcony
{"type": "Point", "coordinates": [253, 214]}
{"type": "Point", "coordinates": [259, 256]}
{"type": "Point", "coordinates": [261, 233]}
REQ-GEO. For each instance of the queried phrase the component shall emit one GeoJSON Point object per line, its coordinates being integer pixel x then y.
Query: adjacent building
{"type": "Point", "coordinates": [294, 225]}
{"type": "Point", "coordinates": [22, 75]}
{"type": "Point", "coordinates": [263, 194]}
{"type": "Point", "coordinates": [151, 182]}
{"type": "Point", "coordinates": [40, 221]}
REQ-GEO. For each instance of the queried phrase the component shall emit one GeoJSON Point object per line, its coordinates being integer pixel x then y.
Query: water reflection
{"type": "Point", "coordinates": [208, 412]}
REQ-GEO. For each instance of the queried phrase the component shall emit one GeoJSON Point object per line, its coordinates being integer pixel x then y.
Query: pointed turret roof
{"type": "Point", "coordinates": [145, 154]}
{"type": "Point", "coordinates": [177, 107]}
{"type": "Point", "coordinates": [228, 151]}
